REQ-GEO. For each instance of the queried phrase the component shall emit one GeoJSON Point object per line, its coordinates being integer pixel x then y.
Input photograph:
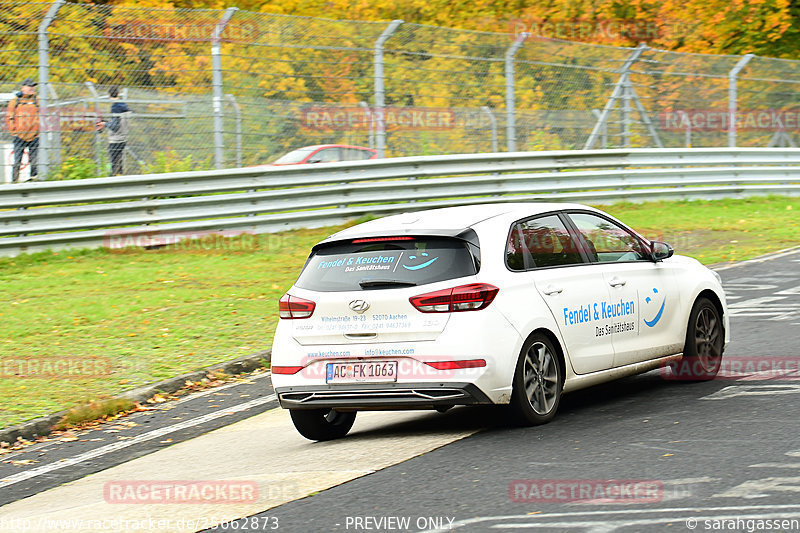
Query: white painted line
{"type": "Point", "coordinates": [267, 450]}
{"type": "Point", "coordinates": [768, 257]}
{"type": "Point", "coordinates": [762, 301]}
{"type": "Point", "coordinates": [627, 511]}
{"type": "Point", "coordinates": [752, 390]}
{"type": "Point", "coordinates": [776, 375]}
{"type": "Point", "coordinates": [611, 525]}
{"type": "Point", "coordinates": [144, 437]}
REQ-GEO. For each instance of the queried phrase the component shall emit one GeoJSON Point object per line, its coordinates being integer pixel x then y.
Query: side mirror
{"type": "Point", "coordinates": [661, 251]}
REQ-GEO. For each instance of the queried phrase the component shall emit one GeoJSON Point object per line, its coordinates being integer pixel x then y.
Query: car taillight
{"type": "Point", "coordinates": [472, 297]}
{"type": "Point", "coordinates": [382, 239]}
{"type": "Point", "coordinates": [287, 370]}
{"type": "Point", "coordinates": [457, 365]}
{"type": "Point", "coordinates": [293, 307]}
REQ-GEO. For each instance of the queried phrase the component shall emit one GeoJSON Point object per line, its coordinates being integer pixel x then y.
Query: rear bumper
{"type": "Point", "coordinates": [384, 396]}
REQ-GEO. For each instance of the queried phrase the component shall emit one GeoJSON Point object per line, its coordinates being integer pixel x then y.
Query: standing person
{"type": "Point", "coordinates": [22, 121]}
{"type": "Point", "coordinates": [117, 129]}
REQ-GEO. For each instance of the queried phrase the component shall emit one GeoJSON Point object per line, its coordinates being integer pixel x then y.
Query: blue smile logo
{"type": "Point", "coordinates": [656, 318]}
{"type": "Point", "coordinates": [421, 265]}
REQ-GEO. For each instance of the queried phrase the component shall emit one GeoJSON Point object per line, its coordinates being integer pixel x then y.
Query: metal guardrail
{"type": "Point", "coordinates": [89, 213]}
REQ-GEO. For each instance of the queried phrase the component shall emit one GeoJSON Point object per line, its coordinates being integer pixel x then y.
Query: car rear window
{"type": "Point", "coordinates": [378, 263]}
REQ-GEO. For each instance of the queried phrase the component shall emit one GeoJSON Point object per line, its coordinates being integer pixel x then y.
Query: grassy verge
{"type": "Point", "coordinates": [121, 320]}
{"type": "Point", "coordinates": [717, 231]}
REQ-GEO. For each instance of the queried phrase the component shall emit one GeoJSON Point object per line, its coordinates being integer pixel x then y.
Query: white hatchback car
{"type": "Point", "coordinates": [487, 304]}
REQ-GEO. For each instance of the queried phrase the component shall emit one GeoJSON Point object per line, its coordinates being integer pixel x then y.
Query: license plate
{"type": "Point", "coordinates": [369, 371]}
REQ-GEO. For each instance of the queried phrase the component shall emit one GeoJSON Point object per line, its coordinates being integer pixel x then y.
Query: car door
{"type": "Point", "coordinates": [642, 313]}
{"type": "Point", "coordinates": [544, 248]}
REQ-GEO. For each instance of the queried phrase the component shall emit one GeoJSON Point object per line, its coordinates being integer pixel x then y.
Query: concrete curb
{"type": "Point", "coordinates": [39, 427]}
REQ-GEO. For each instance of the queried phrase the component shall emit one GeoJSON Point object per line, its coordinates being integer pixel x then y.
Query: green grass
{"type": "Point", "coordinates": [146, 315]}
{"type": "Point", "coordinates": [720, 230]}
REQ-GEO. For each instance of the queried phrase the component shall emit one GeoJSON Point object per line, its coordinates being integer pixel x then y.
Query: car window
{"type": "Point", "coordinates": [541, 242]}
{"type": "Point", "coordinates": [355, 154]}
{"type": "Point", "coordinates": [607, 241]}
{"type": "Point", "coordinates": [385, 263]}
{"type": "Point", "coordinates": [295, 156]}
{"type": "Point", "coordinates": [328, 155]}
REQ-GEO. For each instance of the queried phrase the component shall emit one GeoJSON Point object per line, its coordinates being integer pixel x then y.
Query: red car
{"type": "Point", "coordinates": [326, 153]}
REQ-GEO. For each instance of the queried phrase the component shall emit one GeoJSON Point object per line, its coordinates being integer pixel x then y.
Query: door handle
{"type": "Point", "coordinates": [550, 289]}
{"type": "Point", "coordinates": [616, 282]}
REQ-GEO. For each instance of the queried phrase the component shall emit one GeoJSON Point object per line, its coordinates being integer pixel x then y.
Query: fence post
{"type": "Point", "coordinates": [98, 138]}
{"type": "Point", "coordinates": [493, 123]}
{"type": "Point", "coordinates": [733, 97]}
{"type": "Point", "coordinates": [626, 110]}
{"type": "Point", "coordinates": [511, 126]}
{"type": "Point", "coordinates": [623, 84]}
{"type": "Point", "coordinates": [216, 66]}
{"type": "Point", "coordinates": [54, 143]}
{"type": "Point", "coordinates": [370, 117]}
{"type": "Point", "coordinates": [604, 131]}
{"type": "Point", "coordinates": [238, 110]}
{"type": "Point", "coordinates": [44, 82]}
{"type": "Point", "coordinates": [380, 123]}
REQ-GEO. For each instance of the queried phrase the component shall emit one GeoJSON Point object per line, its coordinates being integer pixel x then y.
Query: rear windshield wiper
{"type": "Point", "coordinates": [369, 283]}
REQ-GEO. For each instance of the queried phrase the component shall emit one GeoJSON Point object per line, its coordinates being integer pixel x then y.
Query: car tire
{"type": "Point", "coordinates": [538, 380]}
{"type": "Point", "coordinates": [702, 351]}
{"type": "Point", "coordinates": [322, 424]}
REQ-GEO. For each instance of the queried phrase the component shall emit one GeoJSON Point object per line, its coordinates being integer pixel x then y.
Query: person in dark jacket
{"type": "Point", "coordinates": [117, 129]}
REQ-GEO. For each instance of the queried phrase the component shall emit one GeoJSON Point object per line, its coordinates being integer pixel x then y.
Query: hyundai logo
{"type": "Point", "coordinates": [359, 306]}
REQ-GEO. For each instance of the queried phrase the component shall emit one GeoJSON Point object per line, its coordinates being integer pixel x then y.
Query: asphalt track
{"type": "Point", "coordinates": [721, 455]}
{"type": "Point", "coordinates": [723, 450]}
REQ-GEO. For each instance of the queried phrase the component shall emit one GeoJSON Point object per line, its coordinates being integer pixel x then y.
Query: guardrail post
{"type": "Point", "coordinates": [44, 82]}
{"type": "Point", "coordinates": [238, 110]}
{"type": "Point", "coordinates": [733, 97]}
{"type": "Point", "coordinates": [493, 123]}
{"type": "Point", "coordinates": [621, 89]}
{"type": "Point", "coordinates": [216, 66]}
{"type": "Point", "coordinates": [511, 126]}
{"type": "Point", "coordinates": [380, 93]}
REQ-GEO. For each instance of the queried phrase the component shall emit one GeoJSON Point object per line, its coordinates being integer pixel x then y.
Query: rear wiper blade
{"type": "Point", "coordinates": [367, 283]}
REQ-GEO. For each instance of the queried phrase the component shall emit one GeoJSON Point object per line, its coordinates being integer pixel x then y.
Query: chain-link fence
{"type": "Point", "coordinates": [222, 88]}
